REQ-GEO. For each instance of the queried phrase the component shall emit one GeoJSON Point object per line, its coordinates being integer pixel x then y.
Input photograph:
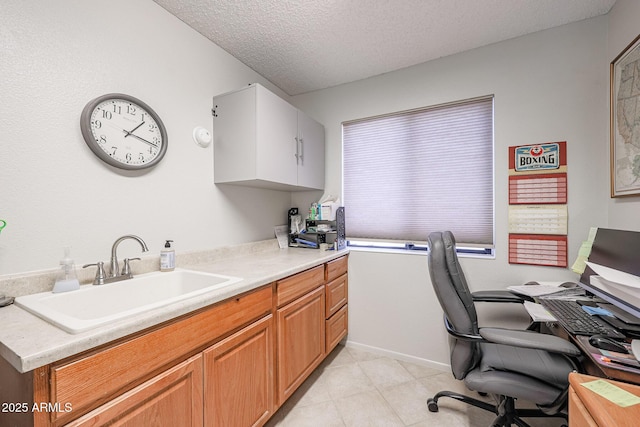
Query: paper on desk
{"type": "Point", "coordinates": [281, 232]}
{"type": "Point", "coordinates": [617, 277]}
{"type": "Point", "coordinates": [544, 288]}
{"type": "Point", "coordinates": [538, 313]}
{"type": "Point", "coordinates": [612, 393]}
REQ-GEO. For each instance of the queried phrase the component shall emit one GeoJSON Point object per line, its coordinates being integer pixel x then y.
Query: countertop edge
{"type": "Point", "coordinates": [28, 342]}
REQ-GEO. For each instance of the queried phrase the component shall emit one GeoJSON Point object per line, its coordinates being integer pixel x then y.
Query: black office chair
{"type": "Point", "coordinates": [507, 364]}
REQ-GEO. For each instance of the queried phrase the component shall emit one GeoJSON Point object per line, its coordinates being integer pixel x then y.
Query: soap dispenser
{"type": "Point", "coordinates": [66, 279]}
{"type": "Point", "coordinates": [167, 257]}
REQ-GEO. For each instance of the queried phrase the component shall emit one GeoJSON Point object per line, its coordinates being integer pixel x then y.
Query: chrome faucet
{"type": "Point", "coordinates": [115, 268]}
{"type": "Point", "coordinates": [115, 275]}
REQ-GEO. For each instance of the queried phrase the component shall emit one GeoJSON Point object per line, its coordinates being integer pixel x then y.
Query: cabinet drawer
{"type": "Point", "coordinates": [93, 379]}
{"type": "Point", "coordinates": [336, 328]}
{"type": "Point", "coordinates": [299, 284]}
{"type": "Point", "coordinates": [175, 397]}
{"type": "Point", "coordinates": [579, 416]}
{"type": "Point", "coordinates": [337, 267]}
{"type": "Point", "coordinates": [336, 295]}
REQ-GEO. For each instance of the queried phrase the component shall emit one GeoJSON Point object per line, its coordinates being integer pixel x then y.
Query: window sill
{"type": "Point", "coordinates": [400, 251]}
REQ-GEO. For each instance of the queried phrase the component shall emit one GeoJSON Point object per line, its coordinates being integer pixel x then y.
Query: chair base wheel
{"type": "Point", "coordinates": [432, 405]}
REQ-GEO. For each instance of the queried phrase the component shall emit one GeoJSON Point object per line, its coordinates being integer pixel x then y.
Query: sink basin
{"type": "Point", "coordinates": [92, 306]}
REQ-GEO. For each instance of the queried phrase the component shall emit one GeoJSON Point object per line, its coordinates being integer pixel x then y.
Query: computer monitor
{"type": "Point", "coordinates": [620, 250]}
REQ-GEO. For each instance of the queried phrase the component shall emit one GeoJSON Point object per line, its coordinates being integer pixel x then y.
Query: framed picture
{"type": "Point", "coordinates": [625, 121]}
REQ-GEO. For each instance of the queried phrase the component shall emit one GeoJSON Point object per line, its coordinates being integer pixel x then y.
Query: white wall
{"type": "Point", "coordinates": [59, 54]}
{"type": "Point", "coordinates": [549, 86]}
{"type": "Point", "coordinates": [55, 57]}
{"type": "Point", "coordinates": [624, 213]}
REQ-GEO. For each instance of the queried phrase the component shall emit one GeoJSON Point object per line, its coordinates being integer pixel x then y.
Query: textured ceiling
{"type": "Point", "coordinates": [305, 45]}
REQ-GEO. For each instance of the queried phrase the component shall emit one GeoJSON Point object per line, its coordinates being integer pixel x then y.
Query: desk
{"type": "Point", "coordinates": [588, 409]}
{"type": "Point", "coordinates": [590, 366]}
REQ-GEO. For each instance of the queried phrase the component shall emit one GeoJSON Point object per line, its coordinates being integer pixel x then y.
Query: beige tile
{"type": "Point", "coordinates": [313, 390]}
{"type": "Point", "coordinates": [320, 414]}
{"type": "Point", "coordinates": [441, 382]}
{"type": "Point", "coordinates": [467, 416]}
{"type": "Point", "coordinates": [420, 371]}
{"type": "Point", "coordinates": [356, 388]}
{"type": "Point", "coordinates": [361, 355]}
{"type": "Point", "coordinates": [368, 409]}
{"type": "Point", "coordinates": [346, 380]}
{"type": "Point", "coordinates": [409, 401]}
{"type": "Point", "coordinates": [443, 420]}
{"type": "Point", "coordinates": [385, 372]}
{"type": "Point", "coordinates": [445, 381]}
{"type": "Point", "coordinates": [476, 416]}
{"type": "Point", "coordinates": [338, 357]}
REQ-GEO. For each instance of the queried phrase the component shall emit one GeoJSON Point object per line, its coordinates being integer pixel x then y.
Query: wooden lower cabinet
{"type": "Point", "coordinates": [336, 328]}
{"type": "Point", "coordinates": [590, 409]}
{"type": "Point", "coordinates": [173, 398]}
{"type": "Point", "coordinates": [238, 378]}
{"type": "Point", "coordinates": [232, 364]}
{"type": "Point", "coordinates": [579, 415]}
{"type": "Point", "coordinates": [229, 385]}
{"type": "Point", "coordinates": [89, 380]}
{"type": "Point", "coordinates": [301, 340]}
{"type": "Point", "coordinates": [336, 293]}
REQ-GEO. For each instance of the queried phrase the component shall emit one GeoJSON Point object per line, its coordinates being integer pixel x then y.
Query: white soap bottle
{"type": "Point", "coordinates": [167, 257]}
{"type": "Point", "coordinates": [66, 280]}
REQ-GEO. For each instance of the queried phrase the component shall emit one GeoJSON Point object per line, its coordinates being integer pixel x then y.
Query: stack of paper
{"type": "Point", "coordinates": [542, 288]}
{"type": "Point", "coordinates": [615, 277]}
{"type": "Point", "coordinates": [538, 313]}
{"type": "Point", "coordinates": [623, 286]}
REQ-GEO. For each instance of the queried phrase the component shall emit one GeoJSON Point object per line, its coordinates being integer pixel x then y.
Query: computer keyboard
{"type": "Point", "coordinates": [577, 321]}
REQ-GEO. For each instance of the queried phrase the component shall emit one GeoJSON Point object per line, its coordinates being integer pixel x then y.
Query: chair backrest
{"type": "Point", "coordinates": [455, 299]}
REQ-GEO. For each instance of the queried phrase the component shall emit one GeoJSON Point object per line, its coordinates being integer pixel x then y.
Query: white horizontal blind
{"type": "Point", "coordinates": [414, 172]}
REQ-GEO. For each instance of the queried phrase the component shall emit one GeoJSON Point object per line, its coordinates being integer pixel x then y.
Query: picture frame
{"type": "Point", "coordinates": [624, 119]}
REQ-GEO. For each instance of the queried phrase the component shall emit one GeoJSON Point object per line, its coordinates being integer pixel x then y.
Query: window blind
{"type": "Point", "coordinates": [410, 173]}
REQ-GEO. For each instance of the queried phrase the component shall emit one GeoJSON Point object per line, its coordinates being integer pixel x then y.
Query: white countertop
{"type": "Point", "coordinates": [28, 342]}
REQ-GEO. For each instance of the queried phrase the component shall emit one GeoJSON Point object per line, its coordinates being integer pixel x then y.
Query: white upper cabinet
{"type": "Point", "coordinates": [260, 140]}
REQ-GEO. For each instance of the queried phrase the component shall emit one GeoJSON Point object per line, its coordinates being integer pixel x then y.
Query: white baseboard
{"type": "Point", "coordinates": [399, 356]}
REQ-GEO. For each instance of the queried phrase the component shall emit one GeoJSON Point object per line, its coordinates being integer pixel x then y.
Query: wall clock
{"type": "Point", "coordinates": [123, 131]}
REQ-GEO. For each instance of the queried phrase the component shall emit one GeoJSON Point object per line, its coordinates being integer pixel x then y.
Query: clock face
{"type": "Point", "coordinates": [123, 131]}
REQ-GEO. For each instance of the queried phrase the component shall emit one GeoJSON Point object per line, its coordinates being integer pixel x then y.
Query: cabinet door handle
{"type": "Point", "coordinates": [301, 156]}
{"type": "Point", "coordinates": [297, 154]}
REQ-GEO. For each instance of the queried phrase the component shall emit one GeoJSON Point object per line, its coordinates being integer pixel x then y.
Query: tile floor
{"type": "Point", "coordinates": [354, 388]}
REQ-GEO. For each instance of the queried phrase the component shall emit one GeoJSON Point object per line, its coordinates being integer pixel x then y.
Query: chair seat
{"type": "Point", "coordinates": [529, 374]}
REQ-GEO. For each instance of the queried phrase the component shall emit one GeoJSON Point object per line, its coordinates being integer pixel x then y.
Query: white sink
{"type": "Point", "coordinates": [92, 306]}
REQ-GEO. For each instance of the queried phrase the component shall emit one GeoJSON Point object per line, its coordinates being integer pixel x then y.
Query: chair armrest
{"type": "Point", "coordinates": [460, 335]}
{"type": "Point", "coordinates": [529, 339]}
{"type": "Point", "coordinates": [499, 296]}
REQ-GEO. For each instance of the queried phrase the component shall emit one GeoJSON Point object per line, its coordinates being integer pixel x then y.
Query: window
{"type": "Point", "coordinates": [410, 173]}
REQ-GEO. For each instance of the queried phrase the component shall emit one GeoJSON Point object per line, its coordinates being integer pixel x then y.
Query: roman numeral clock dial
{"type": "Point", "coordinates": [123, 131]}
